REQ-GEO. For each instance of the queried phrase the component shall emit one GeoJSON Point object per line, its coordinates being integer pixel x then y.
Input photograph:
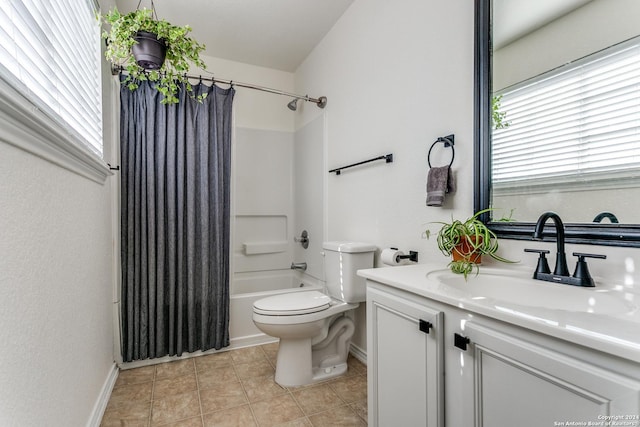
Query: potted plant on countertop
{"type": "Point", "coordinates": [466, 242]}
{"type": "Point", "coordinates": [138, 33]}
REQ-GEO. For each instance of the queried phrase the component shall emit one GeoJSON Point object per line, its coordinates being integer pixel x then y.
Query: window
{"type": "Point", "coordinates": [578, 125]}
{"type": "Point", "coordinates": [50, 53]}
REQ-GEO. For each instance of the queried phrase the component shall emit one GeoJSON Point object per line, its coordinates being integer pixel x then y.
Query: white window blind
{"type": "Point", "coordinates": [577, 124]}
{"type": "Point", "coordinates": [50, 52]}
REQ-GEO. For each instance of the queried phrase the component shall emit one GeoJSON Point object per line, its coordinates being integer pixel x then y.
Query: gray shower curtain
{"type": "Point", "coordinates": [175, 219]}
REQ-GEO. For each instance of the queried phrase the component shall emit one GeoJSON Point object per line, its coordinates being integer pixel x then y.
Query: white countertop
{"type": "Point", "coordinates": [605, 318]}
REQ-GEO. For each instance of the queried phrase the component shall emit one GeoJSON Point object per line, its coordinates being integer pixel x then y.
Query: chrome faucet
{"type": "Point", "coordinates": [299, 266]}
{"type": "Point", "coordinates": [581, 276]}
{"type": "Point", "coordinates": [561, 268]}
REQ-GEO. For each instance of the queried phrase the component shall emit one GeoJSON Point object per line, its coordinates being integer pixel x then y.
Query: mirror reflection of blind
{"type": "Point", "coordinates": [579, 123]}
{"type": "Point", "coordinates": [50, 52]}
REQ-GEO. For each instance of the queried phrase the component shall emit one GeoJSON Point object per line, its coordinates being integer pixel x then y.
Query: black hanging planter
{"type": "Point", "coordinates": [149, 51]}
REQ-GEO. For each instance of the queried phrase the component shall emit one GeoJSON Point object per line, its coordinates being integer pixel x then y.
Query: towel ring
{"type": "Point", "coordinates": [448, 142]}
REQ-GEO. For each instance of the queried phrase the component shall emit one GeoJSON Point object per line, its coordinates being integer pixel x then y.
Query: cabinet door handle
{"type": "Point", "coordinates": [461, 341]}
{"type": "Point", "coordinates": [425, 326]}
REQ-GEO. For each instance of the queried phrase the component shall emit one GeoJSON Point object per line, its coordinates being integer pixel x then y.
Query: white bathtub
{"type": "Point", "coordinates": [249, 287]}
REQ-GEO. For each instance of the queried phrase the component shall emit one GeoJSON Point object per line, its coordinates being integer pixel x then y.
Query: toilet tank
{"type": "Point", "coordinates": [341, 262]}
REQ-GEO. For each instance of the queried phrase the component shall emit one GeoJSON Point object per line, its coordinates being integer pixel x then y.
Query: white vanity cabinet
{"type": "Point", "coordinates": [512, 381]}
{"type": "Point", "coordinates": [473, 370]}
{"type": "Point", "coordinates": [404, 361]}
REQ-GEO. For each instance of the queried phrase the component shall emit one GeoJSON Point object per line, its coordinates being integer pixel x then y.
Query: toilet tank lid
{"type": "Point", "coordinates": [349, 247]}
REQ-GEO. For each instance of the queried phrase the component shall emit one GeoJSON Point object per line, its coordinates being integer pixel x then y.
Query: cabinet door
{"type": "Point", "coordinates": [405, 368]}
{"type": "Point", "coordinates": [516, 382]}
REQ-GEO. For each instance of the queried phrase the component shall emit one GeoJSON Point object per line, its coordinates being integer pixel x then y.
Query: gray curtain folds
{"type": "Point", "coordinates": [175, 197]}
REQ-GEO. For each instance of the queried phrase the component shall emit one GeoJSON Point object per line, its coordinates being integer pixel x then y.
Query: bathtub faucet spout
{"type": "Point", "coordinates": [299, 266]}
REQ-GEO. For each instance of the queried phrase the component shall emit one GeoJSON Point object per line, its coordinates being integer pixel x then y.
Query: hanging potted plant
{"type": "Point", "coordinates": [466, 242]}
{"type": "Point", "coordinates": [151, 49]}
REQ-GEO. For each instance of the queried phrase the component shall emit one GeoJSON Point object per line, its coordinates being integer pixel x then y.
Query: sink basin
{"type": "Point", "coordinates": [512, 289]}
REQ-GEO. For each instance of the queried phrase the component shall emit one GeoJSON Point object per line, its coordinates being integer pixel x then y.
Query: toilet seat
{"type": "Point", "coordinates": [292, 304]}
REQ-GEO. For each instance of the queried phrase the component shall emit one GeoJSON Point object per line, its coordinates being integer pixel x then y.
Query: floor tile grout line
{"type": "Point", "coordinates": [288, 389]}
{"type": "Point", "coordinates": [297, 403]}
{"type": "Point", "coordinates": [239, 381]}
{"type": "Point", "coordinates": [244, 390]}
{"type": "Point", "coordinates": [348, 404]}
{"type": "Point", "coordinates": [195, 370]}
{"type": "Point", "coordinates": [306, 415]}
{"type": "Point", "coordinates": [153, 389]}
{"type": "Point", "coordinates": [336, 392]}
{"type": "Point", "coordinates": [167, 397]}
{"type": "Point", "coordinates": [253, 357]}
{"type": "Point", "coordinates": [343, 403]}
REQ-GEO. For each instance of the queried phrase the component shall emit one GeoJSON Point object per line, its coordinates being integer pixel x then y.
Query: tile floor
{"type": "Point", "coordinates": [234, 388]}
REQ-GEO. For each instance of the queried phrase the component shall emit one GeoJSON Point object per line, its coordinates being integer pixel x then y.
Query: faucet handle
{"type": "Point", "coordinates": [537, 251]}
{"type": "Point", "coordinates": [582, 270]}
{"type": "Point", "coordinates": [543, 265]}
{"type": "Point", "coordinates": [303, 239]}
{"type": "Point", "coordinates": [581, 256]}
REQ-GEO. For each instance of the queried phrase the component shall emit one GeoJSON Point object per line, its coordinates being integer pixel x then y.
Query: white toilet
{"type": "Point", "coordinates": [314, 332]}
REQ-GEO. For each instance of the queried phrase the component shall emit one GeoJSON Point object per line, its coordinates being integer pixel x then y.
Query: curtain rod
{"type": "Point", "coordinates": [320, 102]}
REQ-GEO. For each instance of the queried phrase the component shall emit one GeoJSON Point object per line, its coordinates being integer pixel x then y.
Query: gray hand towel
{"type": "Point", "coordinates": [440, 181]}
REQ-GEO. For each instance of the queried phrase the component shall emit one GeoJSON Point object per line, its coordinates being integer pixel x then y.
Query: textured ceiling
{"type": "Point", "coordinates": [277, 34]}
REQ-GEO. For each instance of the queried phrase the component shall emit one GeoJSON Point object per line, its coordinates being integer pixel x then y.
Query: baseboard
{"type": "Point", "coordinates": [236, 343]}
{"type": "Point", "coordinates": [358, 353]}
{"type": "Point", "coordinates": [101, 404]}
{"type": "Point", "coordinates": [250, 341]}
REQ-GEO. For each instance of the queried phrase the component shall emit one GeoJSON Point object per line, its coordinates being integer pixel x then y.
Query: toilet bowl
{"type": "Point", "coordinates": [314, 330]}
{"type": "Point", "coordinates": [301, 331]}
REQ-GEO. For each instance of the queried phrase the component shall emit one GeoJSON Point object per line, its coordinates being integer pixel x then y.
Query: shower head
{"type": "Point", "coordinates": [293, 105]}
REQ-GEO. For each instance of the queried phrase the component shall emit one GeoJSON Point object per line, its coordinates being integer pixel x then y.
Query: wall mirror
{"type": "Point", "coordinates": [557, 117]}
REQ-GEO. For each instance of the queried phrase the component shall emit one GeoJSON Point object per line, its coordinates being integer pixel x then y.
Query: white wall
{"type": "Point", "coordinates": [56, 364]}
{"type": "Point", "coordinates": [393, 87]}
{"type": "Point", "coordinates": [397, 75]}
{"type": "Point", "coordinates": [252, 108]}
{"type": "Point", "coordinates": [55, 292]}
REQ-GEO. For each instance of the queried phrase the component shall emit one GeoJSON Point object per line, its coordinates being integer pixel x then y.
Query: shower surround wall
{"type": "Point", "coordinates": [263, 200]}
{"type": "Point", "coordinates": [277, 191]}
{"type": "Point", "coordinates": [309, 172]}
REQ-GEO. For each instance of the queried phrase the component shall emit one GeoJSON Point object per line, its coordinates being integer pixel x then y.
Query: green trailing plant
{"type": "Point", "coordinates": [181, 51]}
{"type": "Point", "coordinates": [506, 218]}
{"type": "Point", "coordinates": [498, 117]}
{"type": "Point", "coordinates": [465, 241]}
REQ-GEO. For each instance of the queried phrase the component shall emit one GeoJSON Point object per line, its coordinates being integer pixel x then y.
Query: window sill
{"type": "Point", "coordinates": [26, 127]}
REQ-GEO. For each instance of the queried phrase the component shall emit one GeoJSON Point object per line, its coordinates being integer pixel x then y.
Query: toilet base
{"type": "Point", "coordinates": [294, 360]}
{"type": "Point", "coordinates": [300, 363]}
{"type": "Point", "coordinates": [293, 363]}
{"type": "Point", "coordinates": [321, 374]}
